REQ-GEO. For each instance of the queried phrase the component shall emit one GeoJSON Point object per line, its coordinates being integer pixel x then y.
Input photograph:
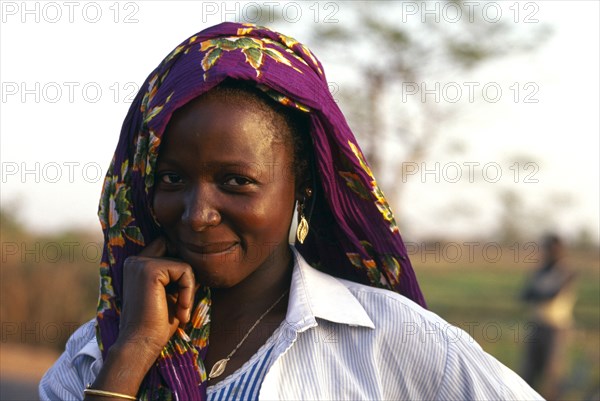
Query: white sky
{"type": "Point", "coordinates": [560, 132]}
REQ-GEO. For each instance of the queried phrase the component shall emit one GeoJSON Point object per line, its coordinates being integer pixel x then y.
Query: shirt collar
{"type": "Point", "coordinates": [314, 294]}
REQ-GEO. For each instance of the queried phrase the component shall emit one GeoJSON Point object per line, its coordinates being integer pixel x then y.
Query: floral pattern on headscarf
{"type": "Point", "coordinates": [353, 230]}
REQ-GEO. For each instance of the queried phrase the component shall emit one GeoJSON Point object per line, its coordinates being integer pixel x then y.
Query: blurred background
{"type": "Point", "coordinates": [480, 120]}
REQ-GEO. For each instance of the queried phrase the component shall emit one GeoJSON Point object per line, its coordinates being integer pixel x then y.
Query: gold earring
{"type": "Point", "coordinates": [302, 230]}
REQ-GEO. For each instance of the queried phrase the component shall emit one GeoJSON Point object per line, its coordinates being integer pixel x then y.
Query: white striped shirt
{"type": "Point", "coordinates": [343, 341]}
{"type": "Point", "coordinates": [244, 383]}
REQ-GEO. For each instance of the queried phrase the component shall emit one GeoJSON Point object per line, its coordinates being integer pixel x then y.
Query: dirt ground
{"type": "Point", "coordinates": [21, 368]}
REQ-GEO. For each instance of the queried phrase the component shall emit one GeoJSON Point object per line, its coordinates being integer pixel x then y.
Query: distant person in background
{"type": "Point", "coordinates": [550, 292]}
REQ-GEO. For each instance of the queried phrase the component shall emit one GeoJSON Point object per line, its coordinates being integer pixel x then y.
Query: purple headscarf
{"type": "Point", "coordinates": [352, 229]}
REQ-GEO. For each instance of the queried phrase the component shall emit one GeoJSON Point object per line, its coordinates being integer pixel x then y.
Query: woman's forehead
{"type": "Point", "coordinates": [240, 103]}
{"type": "Point", "coordinates": [213, 130]}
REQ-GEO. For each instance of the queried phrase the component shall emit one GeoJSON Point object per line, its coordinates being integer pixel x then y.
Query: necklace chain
{"type": "Point", "coordinates": [219, 366]}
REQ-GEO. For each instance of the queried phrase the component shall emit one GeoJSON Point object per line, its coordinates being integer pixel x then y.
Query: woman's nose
{"type": "Point", "coordinates": [200, 212]}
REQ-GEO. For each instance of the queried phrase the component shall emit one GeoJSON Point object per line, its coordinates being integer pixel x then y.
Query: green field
{"type": "Point", "coordinates": [483, 299]}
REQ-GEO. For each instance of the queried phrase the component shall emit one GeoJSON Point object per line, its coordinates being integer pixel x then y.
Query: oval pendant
{"type": "Point", "coordinates": [218, 368]}
{"type": "Point", "coordinates": [302, 230]}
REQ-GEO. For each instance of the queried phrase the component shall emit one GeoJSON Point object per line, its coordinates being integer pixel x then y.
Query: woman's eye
{"type": "Point", "coordinates": [237, 181]}
{"type": "Point", "coordinates": [170, 178]}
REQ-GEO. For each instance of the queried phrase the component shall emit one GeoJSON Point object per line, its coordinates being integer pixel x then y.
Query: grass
{"type": "Point", "coordinates": [483, 299]}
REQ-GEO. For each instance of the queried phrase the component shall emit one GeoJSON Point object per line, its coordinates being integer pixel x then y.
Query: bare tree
{"type": "Point", "coordinates": [392, 49]}
{"type": "Point", "coordinates": [394, 53]}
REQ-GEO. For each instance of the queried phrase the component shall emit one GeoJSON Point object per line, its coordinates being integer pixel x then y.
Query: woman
{"type": "Point", "coordinates": [201, 295]}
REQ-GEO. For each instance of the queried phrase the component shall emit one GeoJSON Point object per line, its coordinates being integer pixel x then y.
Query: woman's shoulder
{"type": "Point", "coordinates": [382, 304]}
{"type": "Point", "coordinates": [440, 357]}
{"type": "Point", "coordinates": [75, 368]}
{"type": "Point", "coordinates": [391, 318]}
{"type": "Point", "coordinates": [82, 342]}
{"type": "Point", "coordinates": [347, 302]}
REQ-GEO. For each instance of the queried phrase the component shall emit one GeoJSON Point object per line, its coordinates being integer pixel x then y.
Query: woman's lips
{"type": "Point", "coordinates": [211, 247]}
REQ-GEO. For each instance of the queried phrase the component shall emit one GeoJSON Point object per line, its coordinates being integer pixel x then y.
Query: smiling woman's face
{"type": "Point", "coordinates": [225, 191]}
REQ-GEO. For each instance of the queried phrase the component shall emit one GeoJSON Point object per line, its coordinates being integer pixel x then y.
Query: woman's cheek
{"type": "Point", "coordinates": [165, 210]}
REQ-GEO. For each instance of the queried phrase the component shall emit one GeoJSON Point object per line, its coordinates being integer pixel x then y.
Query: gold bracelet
{"type": "Point", "coordinates": [102, 393]}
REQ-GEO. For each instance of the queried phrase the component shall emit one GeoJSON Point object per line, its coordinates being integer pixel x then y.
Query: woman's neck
{"type": "Point", "coordinates": [258, 291]}
{"type": "Point", "coordinates": [236, 310]}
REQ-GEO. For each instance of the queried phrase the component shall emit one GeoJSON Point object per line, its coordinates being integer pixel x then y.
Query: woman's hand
{"type": "Point", "coordinates": [158, 296]}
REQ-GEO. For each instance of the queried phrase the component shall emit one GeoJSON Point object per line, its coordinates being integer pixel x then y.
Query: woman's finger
{"type": "Point", "coordinates": [185, 299]}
